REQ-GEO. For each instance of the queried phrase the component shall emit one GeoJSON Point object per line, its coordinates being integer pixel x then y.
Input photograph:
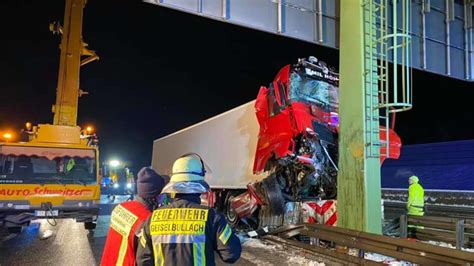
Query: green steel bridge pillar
{"type": "Point", "coordinates": [359, 191]}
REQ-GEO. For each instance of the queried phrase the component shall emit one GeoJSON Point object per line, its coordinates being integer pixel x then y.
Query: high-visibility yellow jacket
{"type": "Point", "coordinates": [416, 200]}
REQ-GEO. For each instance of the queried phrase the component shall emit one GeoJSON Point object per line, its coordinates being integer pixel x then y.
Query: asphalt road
{"type": "Point", "coordinates": [68, 243]}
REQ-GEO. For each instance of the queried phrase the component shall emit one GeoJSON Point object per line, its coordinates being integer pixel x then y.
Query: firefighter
{"type": "Point", "coordinates": [127, 219]}
{"type": "Point", "coordinates": [416, 197]}
{"type": "Point", "coordinates": [185, 232]}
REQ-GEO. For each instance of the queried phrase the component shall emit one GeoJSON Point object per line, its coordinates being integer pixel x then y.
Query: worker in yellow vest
{"type": "Point", "coordinates": [416, 197]}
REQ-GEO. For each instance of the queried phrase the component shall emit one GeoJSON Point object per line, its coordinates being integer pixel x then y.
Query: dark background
{"type": "Point", "coordinates": [162, 70]}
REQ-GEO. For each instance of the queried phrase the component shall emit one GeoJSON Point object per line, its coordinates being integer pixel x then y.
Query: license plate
{"type": "Point", "coordinates": [43, 213]}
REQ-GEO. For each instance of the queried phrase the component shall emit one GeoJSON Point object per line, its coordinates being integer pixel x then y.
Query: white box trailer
{"type": "Point", "coordinates": [226, 142]}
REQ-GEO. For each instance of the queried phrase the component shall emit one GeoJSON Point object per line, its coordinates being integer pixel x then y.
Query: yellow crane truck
{"type": "Point", "coordinates": [51, 170]}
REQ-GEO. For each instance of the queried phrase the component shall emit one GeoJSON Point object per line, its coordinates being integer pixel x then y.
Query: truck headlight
{"type": "Point", "coordinates": [129, 185]}
{"type": "Point", "coordinates": [116, 185]}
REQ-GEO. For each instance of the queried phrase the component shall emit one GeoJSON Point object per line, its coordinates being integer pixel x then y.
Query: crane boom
{"type": "Point", "coordinates": [72, 49]}
{"type": "Point", "coordinates": [56, 166]}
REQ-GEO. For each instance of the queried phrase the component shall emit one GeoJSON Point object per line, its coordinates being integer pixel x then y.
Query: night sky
{"type": "Point", "coordinates": [162, 70]}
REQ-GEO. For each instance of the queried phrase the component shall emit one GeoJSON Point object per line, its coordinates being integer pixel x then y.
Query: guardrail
{"type": "Point", "coordinates": [455, 231]}
{"type": "Point", "coordinates": [401, 249]}
{"type": "Point", "coordinates": [395, 209]}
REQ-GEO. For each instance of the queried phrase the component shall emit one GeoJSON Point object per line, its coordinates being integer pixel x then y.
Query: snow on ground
{"type": "Point", "coordinates": [385, 259]}
{"type": "Point", "coordinates": [257, 243]}
{"type": "Point", "coordinates": [394, 201]}
{"type": "Point", "coordinates": [379, 258]}
{"type": "Point", "coordinates": [291, 256]}
{"type": "Point", "coordinates": [254, 259]}
{"type": "Point", "coordinates": [262, 253]}
{"type": "Point", "coordinates": [447, 245]}
{"type": "Point", "coordinates": [298, 260]}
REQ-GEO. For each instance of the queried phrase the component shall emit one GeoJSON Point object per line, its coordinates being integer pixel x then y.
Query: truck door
{"type": "Point", "coordinates": [275, 136]}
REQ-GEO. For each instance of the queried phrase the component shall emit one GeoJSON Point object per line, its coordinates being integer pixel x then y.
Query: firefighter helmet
{"type": "Point", "coordinates": [188, 175]}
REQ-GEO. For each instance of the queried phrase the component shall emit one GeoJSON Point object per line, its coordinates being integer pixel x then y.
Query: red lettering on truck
{"type": "Point", "coordinates": [45, 191]}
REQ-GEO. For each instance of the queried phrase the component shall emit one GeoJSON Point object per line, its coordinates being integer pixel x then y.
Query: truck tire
{"type": "Point", "coordinates": [90, 225]}
{"type": "Point", "coordinates": [273, 194]}
{"type": "Point", "coordinates": [14, 229]}
{"type": "Point", "coordinates": [229, 212]}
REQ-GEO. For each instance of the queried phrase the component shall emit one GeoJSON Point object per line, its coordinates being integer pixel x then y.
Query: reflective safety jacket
{"type": "Point", "coordinates": [120, 246]}
{"type": "Point", "coordinates": [186, 233]}
{"type": "Point", "coordinates": [416, 200]}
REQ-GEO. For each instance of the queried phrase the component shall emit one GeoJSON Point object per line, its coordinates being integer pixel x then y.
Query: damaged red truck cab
{"type": "Point", "coordinates": [302, 98]}
{"type": "Point", "coordinates": [298, 115]}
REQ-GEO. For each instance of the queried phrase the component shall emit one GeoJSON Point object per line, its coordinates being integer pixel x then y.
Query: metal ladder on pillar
{"type": "Point", "coordinates": [387, 87]}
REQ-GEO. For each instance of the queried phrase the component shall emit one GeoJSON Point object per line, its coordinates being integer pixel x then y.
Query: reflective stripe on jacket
{"type": "Point", "coordinates": [120, 246]}
{"type": "Point", "coordinates": [186, 233]}
{"type": "Point", "coordinates": [416, 200]}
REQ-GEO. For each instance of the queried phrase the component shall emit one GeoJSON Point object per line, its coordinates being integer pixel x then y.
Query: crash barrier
{"type": "Point", "coordinates": [321, 212]}
{"type": "Point", "coordinates": [362, 242]}
{"type": "Point", "coordinates": [395, 209]}
{"type": "Point", "coordinates": [456, 231]}
{"type": "Point", "coordinates": [310, 211]}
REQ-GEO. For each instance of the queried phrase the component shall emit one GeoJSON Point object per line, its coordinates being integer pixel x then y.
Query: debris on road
{"type": "Point", "coordinates": [45, 235]}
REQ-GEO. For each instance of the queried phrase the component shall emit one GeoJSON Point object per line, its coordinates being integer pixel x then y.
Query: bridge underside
{"type": "Point", "coordinates": [439, 27]}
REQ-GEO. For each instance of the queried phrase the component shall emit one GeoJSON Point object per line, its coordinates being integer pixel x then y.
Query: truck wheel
{"type": "Point", "coordinates": [273, 194]}
{"type": "Point", "coordinates": [229, 212]}
{"type": "Point", "coordinates": [89, 225]}
{"type": "Point", "coordinates": [14, 229]}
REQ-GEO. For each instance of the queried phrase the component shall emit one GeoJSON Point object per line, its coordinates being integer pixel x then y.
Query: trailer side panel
{"type": "Point", "coordinates": [226, 142]}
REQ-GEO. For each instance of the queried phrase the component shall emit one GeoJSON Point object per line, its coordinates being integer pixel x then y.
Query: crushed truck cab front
{"type": "Point", "coordinates": [298, 137]}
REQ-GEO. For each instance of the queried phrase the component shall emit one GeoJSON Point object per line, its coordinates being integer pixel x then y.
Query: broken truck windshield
{"type": "Point", "coordinates": [304, 88]}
